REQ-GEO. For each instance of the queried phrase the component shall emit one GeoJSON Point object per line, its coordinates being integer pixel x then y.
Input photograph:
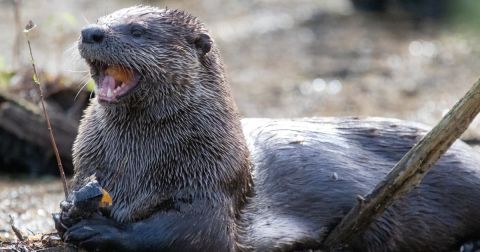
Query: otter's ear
{"type": "Point", "coordinates": [203, 43]}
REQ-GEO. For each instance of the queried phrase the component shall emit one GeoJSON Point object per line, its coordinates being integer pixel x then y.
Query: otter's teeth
{"type": "Point", "coordinates": [109, 93]}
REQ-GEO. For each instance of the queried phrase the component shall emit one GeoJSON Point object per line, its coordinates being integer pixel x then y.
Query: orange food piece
{"type": "Point", "coordinates": [120, 73]}
{"type": "Point", "coordinates": [106, 199]}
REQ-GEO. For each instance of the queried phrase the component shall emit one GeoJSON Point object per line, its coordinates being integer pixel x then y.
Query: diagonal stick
{"type": "Point", "coordinates": [28, 28]}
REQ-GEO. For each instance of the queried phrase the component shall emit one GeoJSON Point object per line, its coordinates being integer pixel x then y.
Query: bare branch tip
{"type": "Point", "coordinates": [30, 26]}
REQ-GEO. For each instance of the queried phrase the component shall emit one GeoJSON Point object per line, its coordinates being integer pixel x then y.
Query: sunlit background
{"type": "Point", "coordinates": [409, 59]}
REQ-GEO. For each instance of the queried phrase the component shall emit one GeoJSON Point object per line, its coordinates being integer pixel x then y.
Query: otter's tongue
{"type": "Point", "coordinates": [108, 85]}
{"type": "Point", "coordinates": [107, 88]}
{"type": "Point", "coordinates": [116, 82]}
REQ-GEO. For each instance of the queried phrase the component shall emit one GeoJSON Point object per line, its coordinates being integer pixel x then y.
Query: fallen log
{"type": "Point", "coordinates": [24, 120]}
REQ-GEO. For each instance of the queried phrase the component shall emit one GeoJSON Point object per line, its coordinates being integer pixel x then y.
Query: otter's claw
{"type": "Point", "coordinates": [59, 226]}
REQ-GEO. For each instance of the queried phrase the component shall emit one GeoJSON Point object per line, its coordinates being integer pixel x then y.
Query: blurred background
{"type": "Point", "coordinates": [409, 59]}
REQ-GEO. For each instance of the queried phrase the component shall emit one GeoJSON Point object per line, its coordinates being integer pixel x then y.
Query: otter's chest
{"type": "Point", "coordinates": [128, 165]}
{"type": "Point", "coordinates": [128, 176]}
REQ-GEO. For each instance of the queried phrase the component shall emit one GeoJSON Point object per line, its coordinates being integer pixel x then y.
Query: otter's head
{"type": "Point", "coordinates": [145, 55]}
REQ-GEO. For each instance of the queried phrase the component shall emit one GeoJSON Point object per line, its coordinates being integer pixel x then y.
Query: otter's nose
{"type": "Point", "coordinates": [92, 34]}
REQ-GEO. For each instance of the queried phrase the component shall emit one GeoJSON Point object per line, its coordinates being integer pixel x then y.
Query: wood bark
{"type": "Point", "coordinates": [25, 120]}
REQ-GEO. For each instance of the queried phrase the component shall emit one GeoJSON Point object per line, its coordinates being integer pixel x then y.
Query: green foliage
{"type": "Point", "coordinates": [5, 75]}
{"type": "Point", "coordinates": [465, 13]}
{"type": "Point", "coordinates": [90, 85]}
{"type": "Point", "coordinates": [35, 79]}
{"type": "Point", "coordinates": [62, 20]}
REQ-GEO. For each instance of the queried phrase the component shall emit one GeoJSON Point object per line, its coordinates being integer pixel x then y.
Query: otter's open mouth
{"type": "Point", "coordinates": [114, 81]}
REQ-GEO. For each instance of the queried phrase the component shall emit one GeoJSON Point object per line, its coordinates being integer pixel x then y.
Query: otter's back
{"type": "Point", "coordinates": [308, 173]}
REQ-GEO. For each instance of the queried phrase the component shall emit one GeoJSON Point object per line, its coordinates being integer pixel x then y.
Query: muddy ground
{"type": "Point", "coordinates": [284, 59]}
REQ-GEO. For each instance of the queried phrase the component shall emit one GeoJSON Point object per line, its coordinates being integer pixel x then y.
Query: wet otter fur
{"type": "Point", "coordinates": [186, 175]}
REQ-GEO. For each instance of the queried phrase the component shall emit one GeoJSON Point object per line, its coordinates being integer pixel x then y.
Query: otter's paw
{"type": "Point", "coordinates": [98, 233]}
{"type": "Point", "coordinates": [63, 220]}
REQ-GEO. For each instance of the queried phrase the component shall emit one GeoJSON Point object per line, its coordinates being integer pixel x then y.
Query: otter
{"type": "Point", "coordinates": [164, 137]}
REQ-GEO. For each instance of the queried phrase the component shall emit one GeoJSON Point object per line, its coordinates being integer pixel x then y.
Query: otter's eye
{"type": "Point", "coordinates": [137, 31]}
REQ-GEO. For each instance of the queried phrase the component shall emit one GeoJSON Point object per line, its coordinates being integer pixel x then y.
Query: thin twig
{"type": "Point", "coordinates": [28, 28]}
{"type": "Point", "coordinates": [17, 231]}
